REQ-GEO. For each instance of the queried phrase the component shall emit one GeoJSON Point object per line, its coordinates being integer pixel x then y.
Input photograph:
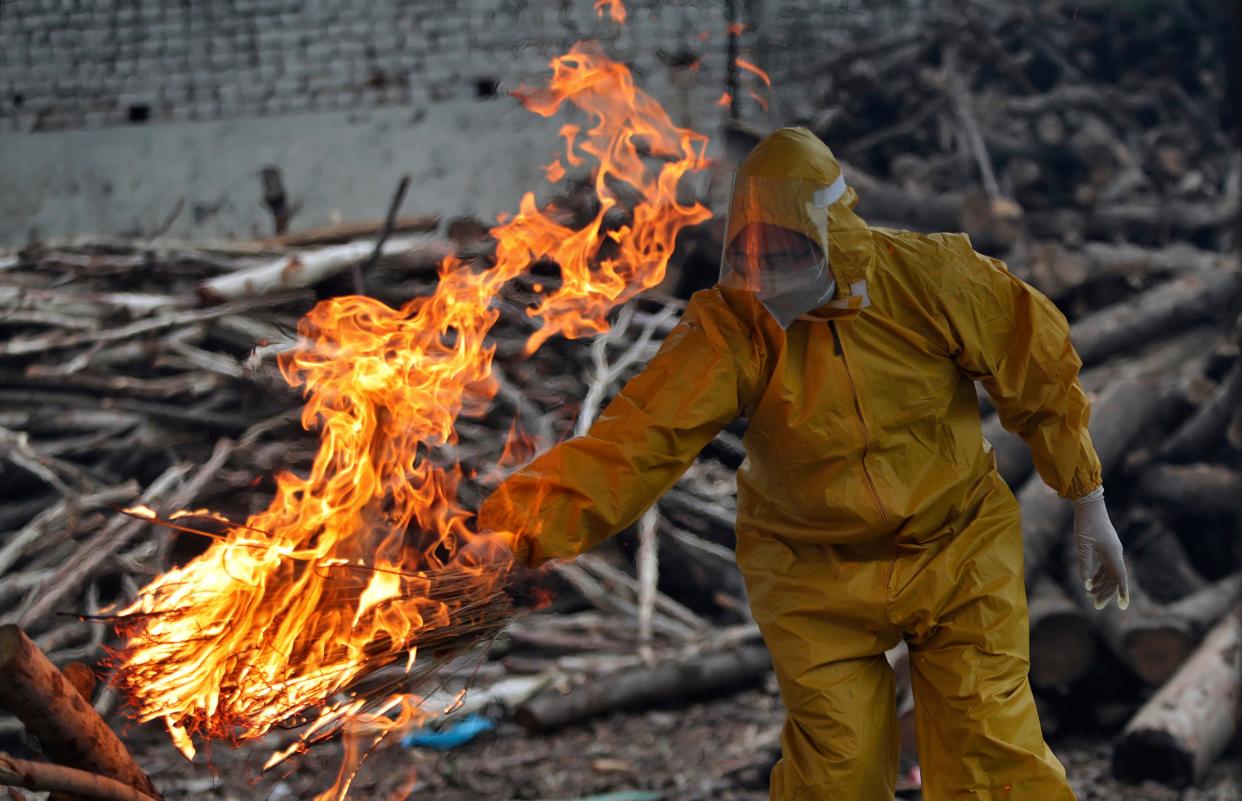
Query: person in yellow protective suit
{"type": "Point", "coordinates": [870, 508]}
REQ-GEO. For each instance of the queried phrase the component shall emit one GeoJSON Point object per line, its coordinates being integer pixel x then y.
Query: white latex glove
{"type": "Point", "coordinates": [1100, 559]}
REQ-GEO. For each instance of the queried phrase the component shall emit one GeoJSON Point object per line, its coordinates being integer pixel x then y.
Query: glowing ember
{"type": "Point", "coordinates": [554, 171]}
{"type": "Point", "coordinates": [368, 559]}
{"type": "Point", "coordinates": [615, 9]}
{"type": "Point", "coordinates": [752, 68]}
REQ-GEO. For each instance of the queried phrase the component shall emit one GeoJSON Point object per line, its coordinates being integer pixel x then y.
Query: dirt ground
{"type": "Point", "coordinates": [711, 750]}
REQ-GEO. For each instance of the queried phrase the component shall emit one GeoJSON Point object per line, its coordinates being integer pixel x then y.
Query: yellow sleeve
{"type": "Point", "coordinates": [1012, 338]}
{"type": "Point", "coordinates": [588, 488]}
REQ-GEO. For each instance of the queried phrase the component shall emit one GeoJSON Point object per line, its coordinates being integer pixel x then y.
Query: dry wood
{"type": "Point", "coordinates": [881, 202]}
{"type": "Point", "coordinates": [1154, 314]}
{"type": "Point", "coordinates": [720, 516]}
{"type": "Point", "coordinates": [25, 346]}
{"type": "Point", "coordinates": [1187, 724]}
{"type": "Point", "coordinates": [349, 231]}
{"type": "Point", "coordinates": [110, 539]}
{"type": "Point", "coordinates": [59, 779]}
{"type": "Point", "coordinates": [596, 593]}
{"type": "Point", "coordinates": [620, 582]}
{"type": "Point", "coordinates": [1195, 488]}
{"type": "Point", "coordinates": [40, 529]}
{"type": "Point", "coordinates": [1204, 429]}
{"type": "Point", "coordinates": [903, 127]}
{"type": "Point", "coordinates": [357, 270]}
{"type": "Point", "coordinates": [988, 220]}
{"type": "Point", "coordinates": [15, 511]}
{"type": "Point", "coordinates": [55, 421]}
{"type": "Point", "coordinates": [962, 103]}
{"type": "Point", "coordinates": [554, 642]}
{"type": "Point", "coordinates": [663, 683]}
{"type": "Point", "coordinates": [192, 384]}
{"type": "Point", "coordinates": [1059, 271]}
{"type": "Point", "coordinates": [88, 308]}
{"type": "Point", "coordinates": [1106, 258]}
{"type": "Point", "coordinates": [130, 354]}
{"type": "Point", "coordinates": [67, 727]}
{"type": "Point", "coordinates": [1175, 214]}
{"type": "Point", "coordinates": [1100, 98]}
{"type": "Point", "coordinates": [1156, 557]}
{"type": "Point", "coordinates": [82, 678]}
{"type": "Point", "coordinates": [309, 267]}
{"type": "Point", "coordinates": [197, 419]}
{"type": "Point", "coordinates": [1062, 641]}
{"type": "Point", "coordinates": [1155, 639]}
{"type": "Point", "coordinates": [15, 447]}
{"type": "Point", "coordinates": [701, 571]}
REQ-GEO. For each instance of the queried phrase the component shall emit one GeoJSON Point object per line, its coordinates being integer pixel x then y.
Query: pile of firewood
{"type": "Point", "coordinates": [1063, 120]}
{"type": "Point", "coordinates": [128, 381]}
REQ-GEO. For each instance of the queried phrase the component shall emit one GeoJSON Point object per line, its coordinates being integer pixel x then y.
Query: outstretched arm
{"type": "Point", "coordinates": [590, 487]}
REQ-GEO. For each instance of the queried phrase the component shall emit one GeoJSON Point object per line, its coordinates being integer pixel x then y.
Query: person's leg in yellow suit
{"type": "Point", "coordinates": [978, 730]}
{"type": "Point", "coordinates": [955, 593]}
{"type": "Point", "coordinates": [824, 604]}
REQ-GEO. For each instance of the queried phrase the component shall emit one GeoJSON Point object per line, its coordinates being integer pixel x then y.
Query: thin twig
{"type": "Point", "coordinates": [959, 98]}
{"type": "Point", "coordinates": [359, 271]}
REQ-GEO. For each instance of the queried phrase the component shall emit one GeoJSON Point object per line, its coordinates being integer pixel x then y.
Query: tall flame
{"type": "Point", "coordinates": [361, 561]}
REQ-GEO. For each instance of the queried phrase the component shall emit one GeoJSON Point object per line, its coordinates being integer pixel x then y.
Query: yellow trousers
{"type": "Point", "coordinates": [955, 593]}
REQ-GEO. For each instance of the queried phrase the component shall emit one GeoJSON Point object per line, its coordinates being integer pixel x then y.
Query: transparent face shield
{"type": "Point", "coordinates": [776, 244]}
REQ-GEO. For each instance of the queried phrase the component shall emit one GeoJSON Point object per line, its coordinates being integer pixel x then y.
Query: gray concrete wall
{"type": "Point", "coordinates": [113, 115]}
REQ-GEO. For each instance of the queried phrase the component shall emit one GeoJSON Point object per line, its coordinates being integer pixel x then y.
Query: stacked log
{"type": "Point", "coordinates": [1038, 105]}
{"type": "Point", "coordinates": [1190, 721]}
{"type": "Point", "coordinates": [55, 711]}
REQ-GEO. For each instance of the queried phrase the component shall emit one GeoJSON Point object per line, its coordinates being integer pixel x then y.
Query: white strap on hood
{"type": "Point", "coordinates": [823, 198]}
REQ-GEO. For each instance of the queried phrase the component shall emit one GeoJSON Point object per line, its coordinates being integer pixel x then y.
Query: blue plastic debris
{"type": "Point", "coordinates": [454, 734]}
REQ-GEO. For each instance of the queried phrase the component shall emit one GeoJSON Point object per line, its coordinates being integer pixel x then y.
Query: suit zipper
{"type": "Point", "coordinates": [862, 422]}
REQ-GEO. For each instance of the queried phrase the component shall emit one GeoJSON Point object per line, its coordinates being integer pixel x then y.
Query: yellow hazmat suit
{"type": "Point", "coordinates": [870, 508]}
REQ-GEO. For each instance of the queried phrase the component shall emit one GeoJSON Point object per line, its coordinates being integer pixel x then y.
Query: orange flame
{"type": "Point", "coordinates": [357, 564]}
{"type": "Point", "coordinates": [519, 449]}
{"type": "Point", "coordinates": [724, 100]}
{"type": "Point", "coordinates": [615, 9]}
{"type": "Point", "coordinates": [554, 171]}
{"type": "Point", "coordinates": [751, 67]}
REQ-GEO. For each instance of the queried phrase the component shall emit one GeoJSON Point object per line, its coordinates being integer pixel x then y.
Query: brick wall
{"type": "Point", "coordinates": [85, 64]}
